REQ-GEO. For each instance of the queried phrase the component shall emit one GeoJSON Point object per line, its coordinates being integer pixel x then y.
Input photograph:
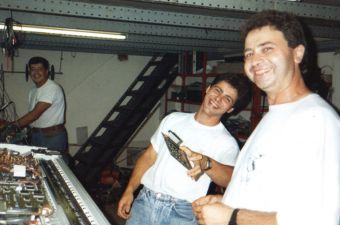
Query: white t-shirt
{"type": "Point", "coordinates": [167, 175]}
{"type": "Point", "coordinates": [291, 165]}
{"type": "Point", "coordinates": [50, 92]}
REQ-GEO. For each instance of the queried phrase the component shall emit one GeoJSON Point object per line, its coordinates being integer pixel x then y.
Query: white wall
{"type": "Point", "coordinates": [93, 83]}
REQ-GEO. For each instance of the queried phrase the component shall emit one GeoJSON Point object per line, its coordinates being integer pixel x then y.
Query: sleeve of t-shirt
{"type": "Point", "coordinates": [225, 151]}
{"type": "Point", "coordinates": [47, 94]}
{"type": "Point", "coordinates": [157, 138]}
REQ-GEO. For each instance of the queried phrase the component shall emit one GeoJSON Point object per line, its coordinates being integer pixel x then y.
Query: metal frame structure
{"type": "Point", "coordinates": [161, 26]}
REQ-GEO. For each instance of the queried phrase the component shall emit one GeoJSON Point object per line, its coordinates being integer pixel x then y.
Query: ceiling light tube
{"type": "Point", "coordinates": [68, 32]}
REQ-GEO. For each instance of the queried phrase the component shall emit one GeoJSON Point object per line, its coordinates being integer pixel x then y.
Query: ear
{"type": "Point", "coordinates": [299, 52]}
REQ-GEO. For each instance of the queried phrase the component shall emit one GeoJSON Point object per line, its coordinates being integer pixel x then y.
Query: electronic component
{"type": "Point", "coordinates": [173, 143]}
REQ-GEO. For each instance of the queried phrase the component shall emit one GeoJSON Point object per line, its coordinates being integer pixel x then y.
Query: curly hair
{"type": "Point", "coordinates": [292, 29]}
{"type": "Point", "coordinates": [242, 85]}
{"type": "Point", "coordinates": [287, 23]}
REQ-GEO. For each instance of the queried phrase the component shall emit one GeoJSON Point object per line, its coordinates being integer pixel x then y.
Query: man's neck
{"type": "Point", "coordinates": [205, 119]}
{"type": "Point", "coordinates": [295, 91]}
{"type": "Point", "coordinates": [40, 84]}
{"type": "Point", "coordinates": [287, 97]}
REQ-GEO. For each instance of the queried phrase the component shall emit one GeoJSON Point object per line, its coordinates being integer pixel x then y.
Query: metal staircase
{"type": "Point", "coordinates": [124, 118]}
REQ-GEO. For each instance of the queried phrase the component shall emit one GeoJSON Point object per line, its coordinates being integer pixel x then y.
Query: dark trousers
{"type": "Point", "coordinates": [56, 141]}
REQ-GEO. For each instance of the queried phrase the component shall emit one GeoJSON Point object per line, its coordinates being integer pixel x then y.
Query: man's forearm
{"type": "Point", "coordinates": [26, 119]}
{"type": "Point", "coordinates": [220, 174]}
{"type": "Point", "coordinates": [249, 217]}
{"type": "Point", "coordinates": [214, 212]}
{"type": "Point", "coordinates": [33, 115]}
{"type": "Point", "coordinates": [144, 162]}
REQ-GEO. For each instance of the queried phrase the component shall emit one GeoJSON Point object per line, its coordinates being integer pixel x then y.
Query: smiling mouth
{"type": "Point", "coordinates": [260, 72]}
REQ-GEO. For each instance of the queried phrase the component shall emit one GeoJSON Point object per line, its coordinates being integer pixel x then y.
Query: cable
{"type": "Point", "coordinates": [5, 106]}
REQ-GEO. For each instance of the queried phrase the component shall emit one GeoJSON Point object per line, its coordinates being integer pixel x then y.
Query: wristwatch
{"type": "Point", "coordinates": [208, 166]}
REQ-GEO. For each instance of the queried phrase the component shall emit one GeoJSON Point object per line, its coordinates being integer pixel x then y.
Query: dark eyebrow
{"type": "Point", "coordinates": [260, 45]}
{"type": "Point", "coordinates": [246, 50]}
{"type": "Point", "coordinates": [266, 43]}
{"type": "Point", "coordinates": [220, 89]}
{"type": "Point", "coordinates": [230, 98]}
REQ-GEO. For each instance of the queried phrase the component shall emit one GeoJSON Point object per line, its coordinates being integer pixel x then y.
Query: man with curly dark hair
{"type": "Point", "coordinates": [288, 170]}
{"type": "Point", "coordinates": [170, 188]}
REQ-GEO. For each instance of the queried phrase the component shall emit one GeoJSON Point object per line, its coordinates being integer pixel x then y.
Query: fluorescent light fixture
{"type": "Point", "coordinates": [67, 32]}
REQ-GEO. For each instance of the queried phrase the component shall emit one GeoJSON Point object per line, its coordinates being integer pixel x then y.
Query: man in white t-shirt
{"type": "Point", "coordinates": [46, 109]}
{"type": "Point", "coordinates": [169, 188]}
{"type": "Point", "coordinates": [288, 172]}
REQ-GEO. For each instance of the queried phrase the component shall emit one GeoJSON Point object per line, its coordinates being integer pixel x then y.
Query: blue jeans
{"type": "Point", "coordinates": [57, 141]}
{"type": "Point", "coordinates": [151, 208]}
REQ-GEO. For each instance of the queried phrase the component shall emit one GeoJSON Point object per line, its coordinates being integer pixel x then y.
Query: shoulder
{"type": "Point", "coordinates": [223, 137]}
{"type": "Point", "coordinates": [176, 119]}
{"type": "Point", "coordinates": [225, 147]}
{"type": "Point", "coordinates": [229, 139]}
{"type": "Point", "coordinates": [178, 116]}
{"type": "Point", "coordinates": [315, 107]}
{"type": "Point", "coordinates": [313, 115]}
{"type": "Point", "coordinates": [52, 85]}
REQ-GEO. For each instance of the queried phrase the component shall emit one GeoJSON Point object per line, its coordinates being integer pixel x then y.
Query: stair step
{"type": "Point", "coordinates": [112, 124]}
{"type": "Point", "coordinates": [154, 63]}
{"type": "Point", "coordinates": [133, 93]}
{"type": "Point", "coordinates": [139, 92]}
{"type": "Point", "coordinates": [116, 124]}
{"type": "Point", "coordinates": [98, 141]}
{"type": "Point", "coordinates": [148, 78]}
{"type": "Point", "coordinates": [124, 108]}
{"type": "Point", "coordinates": [88, 157]}
{"type": "Point", "coordinates": [99, 150]}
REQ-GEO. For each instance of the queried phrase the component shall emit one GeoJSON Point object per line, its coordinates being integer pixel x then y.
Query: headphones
{"type": "Point", "coordinates": [51, 72]}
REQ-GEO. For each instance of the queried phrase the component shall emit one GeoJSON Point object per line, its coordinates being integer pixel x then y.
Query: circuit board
{"type": "Point", "coordinates": [38, 188]}
{"type": "Point", "coordinates": [22, 197]}
{"type": "Point", "coordinates": [173, 144]}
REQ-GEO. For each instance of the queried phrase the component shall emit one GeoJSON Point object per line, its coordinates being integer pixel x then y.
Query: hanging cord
{"type": "Point", "coordinates": [11, 133]}
{"type": "Point", "coordinates": [61, 60]}
{"type": "Point", "coordinates": [10, 40]}
{"type": "Point", "coordinates": [7, 107]}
